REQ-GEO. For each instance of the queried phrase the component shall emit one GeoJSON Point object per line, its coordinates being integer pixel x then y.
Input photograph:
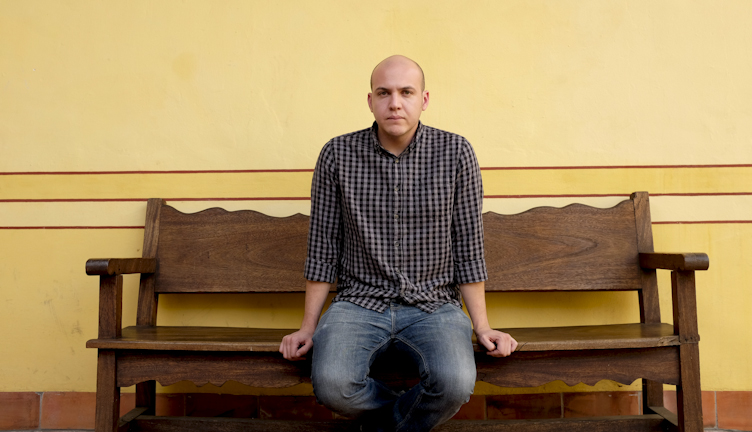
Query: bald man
{"type": "Point", "coordinates": [396, 223]}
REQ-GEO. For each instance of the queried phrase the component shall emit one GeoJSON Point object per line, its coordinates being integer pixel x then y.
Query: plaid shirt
{"type": "Point", "coordinates": [389, 227]}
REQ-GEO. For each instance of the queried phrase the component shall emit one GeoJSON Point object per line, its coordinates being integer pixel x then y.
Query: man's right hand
{"type": "Point", "coordinates": [295, 345]}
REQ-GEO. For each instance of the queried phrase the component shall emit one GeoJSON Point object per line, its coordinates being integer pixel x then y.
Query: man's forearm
{"type": "Point", "coordinates": [315, 297]}
{"type": "Point", "coordinates": [474, 295]}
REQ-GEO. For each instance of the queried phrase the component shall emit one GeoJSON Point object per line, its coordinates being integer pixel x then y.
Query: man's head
{"type": "Point", "coordinates": [398, 97]}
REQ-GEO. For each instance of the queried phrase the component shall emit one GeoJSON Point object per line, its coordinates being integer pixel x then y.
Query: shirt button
{"type": "Point", "coordinates": [396, 161]}
{"type": "Point", "coordinates": [396, 216]}
{"type": "Point", "coordinates": [396, 244]}
{"type": "Point", "coordinates": [396, 188]}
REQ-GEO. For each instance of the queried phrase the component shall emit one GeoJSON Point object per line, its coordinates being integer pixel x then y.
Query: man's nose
{"type": "Point", "coordinates": [395, 102]}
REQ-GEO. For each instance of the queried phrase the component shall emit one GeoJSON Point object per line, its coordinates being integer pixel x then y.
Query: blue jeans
{"type": "Point", "coordinates": [349, 338]}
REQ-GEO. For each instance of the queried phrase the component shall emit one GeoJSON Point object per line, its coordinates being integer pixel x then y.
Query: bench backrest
{"type": "Point", "coordinates": [544, 249]}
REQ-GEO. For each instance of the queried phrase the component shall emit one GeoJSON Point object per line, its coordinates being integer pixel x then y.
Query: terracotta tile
{"type": "Point", "coordinates": [524, 406]}
{"type": "Point", "coordinates": [127, 403]}
{"type": "Point", "coordinates": [170, 404]}
{"type": "Point", "coordinates": [735, 410]}
{"type": "Point", "coordinates": [292, 408]}
{"type": "Point", "coordinates": [20, 410]}
{"type": "Point", "coordinates": [221, 405]}
{"type": "Point", "coordinates": [68, 410]}
{"type": "Point", "coordinates": [708, 406]}
{"type": "Point", "coordinates": [474, 409]}
{"type": "Point", "coordinates": [601, 404]}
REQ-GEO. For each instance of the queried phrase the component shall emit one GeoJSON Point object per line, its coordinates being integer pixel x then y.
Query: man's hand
{"type": "Point", "coordinates": [295, 345]}
{"type": "Point", "coordinates": [498, 344]}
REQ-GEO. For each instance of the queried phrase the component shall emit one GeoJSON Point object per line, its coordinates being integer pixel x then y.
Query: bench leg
{"type": "Point", "coordinates": [146, 397]}
{"type": "Point", "coordinates": [688, 393]}
{"type": "Point", "coordinates": [108, 394]}
{"type": "Point", "coordinates": [652, 395]}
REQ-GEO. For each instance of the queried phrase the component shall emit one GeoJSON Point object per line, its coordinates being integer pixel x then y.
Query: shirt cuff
{"type": "Point", "coordinates": [470, 271]}
{"type": "Point", "coordinates": [320, 271]}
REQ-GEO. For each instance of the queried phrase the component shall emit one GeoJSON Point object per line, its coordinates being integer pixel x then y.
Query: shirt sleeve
{"type": "Point", "coordinates": [324, 233]}
{"type": "Point", "coordinates": [467, 220]}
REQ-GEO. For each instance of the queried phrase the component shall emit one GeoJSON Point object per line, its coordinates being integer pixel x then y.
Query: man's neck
{"type": "Point", "coordinates": [395, 145]}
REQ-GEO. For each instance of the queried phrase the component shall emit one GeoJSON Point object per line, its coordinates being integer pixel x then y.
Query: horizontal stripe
{"type": "Point", "coordinates": [141, 227]}
{"type": "Point", "coordinates": [296, 185]}
{"type": "Point", "coordinates": [309, 198]}
{"type": "Point", "coordinates": [311, 170]}
{"type": "Point", "coordinates": [130, 213]}
{"type": "Point", "coordinates": [69, 227]}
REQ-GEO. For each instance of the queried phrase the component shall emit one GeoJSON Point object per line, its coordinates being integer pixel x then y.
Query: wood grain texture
{"type": "Point", "coordinates": [233, 339]}
{"type": "Point", "coordinates": [593, 424]}
{"type": "Point", "coordinates": [531, 369]}
{"type": "Point", "coordinates": [689, 392]}
{"type": "Point", "coordinates": [147, 296]}
{"type": "Point", "coordinates": [108, 394]}
{"type": "Point", "coordinates": [254, 369]}
{"type": "Point", "coordinates": [575, 248]}
{"type": "Point", "coordinates": [675, 261]}
{"type": "Point", "coordinates": [219, 251]}
{"type": "Point", "coordinates": [115, 266]}
{"type": "Point", "coordinates": [684, 300]}
{"type": "Point", "coordinates": [110, 307]}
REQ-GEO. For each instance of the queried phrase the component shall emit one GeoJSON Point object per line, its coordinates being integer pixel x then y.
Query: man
{"type": "Point", "coordinates": [396, 222]}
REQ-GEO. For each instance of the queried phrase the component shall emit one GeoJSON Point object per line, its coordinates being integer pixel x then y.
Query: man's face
{"type": "Point", "coordinates": [397, 98]}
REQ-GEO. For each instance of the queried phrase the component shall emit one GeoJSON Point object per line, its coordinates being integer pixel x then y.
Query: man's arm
{"type": "Point", "coordinates": [295, 346]}
{"type": "Point", "coordinates": [497, 343]}
{"type": "Point", "coordinates": [323, 252]}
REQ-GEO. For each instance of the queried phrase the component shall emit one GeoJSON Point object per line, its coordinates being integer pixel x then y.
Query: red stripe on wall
{"type": "Point", "coordinates": [311, 170]}
{"type": "Point", "coordinates": [141, 227]}
{"type": "Point", "coordinates": [68, 227]}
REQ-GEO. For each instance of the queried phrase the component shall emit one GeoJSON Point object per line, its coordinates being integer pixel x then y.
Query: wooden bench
{"type": "Point", "coordinates": [576, 248]}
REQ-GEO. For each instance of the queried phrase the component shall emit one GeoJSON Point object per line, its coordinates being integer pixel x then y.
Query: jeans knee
{"type": "Point", "coordinates": [455, 385]}
{"type": "Point", "coordinates": [336, 392]}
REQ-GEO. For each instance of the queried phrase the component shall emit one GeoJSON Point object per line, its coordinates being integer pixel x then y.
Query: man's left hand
{"type": "Point", "coordinates": [498, 344]}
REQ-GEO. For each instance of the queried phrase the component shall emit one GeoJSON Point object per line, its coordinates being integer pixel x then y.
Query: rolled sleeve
{"type": "Point", "coordinates": [467, 221]}
{"type": "Point", "coordinates": [324, 233]}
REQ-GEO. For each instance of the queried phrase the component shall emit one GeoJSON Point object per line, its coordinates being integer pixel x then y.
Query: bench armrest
{"type": "Point", "coordinates": [674, 261]}
{"type": "Point", "coordinates": [116, 266]}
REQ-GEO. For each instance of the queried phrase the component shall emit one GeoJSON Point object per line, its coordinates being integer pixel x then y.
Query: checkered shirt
{"type": "Point", "coordinates": [404, 228]}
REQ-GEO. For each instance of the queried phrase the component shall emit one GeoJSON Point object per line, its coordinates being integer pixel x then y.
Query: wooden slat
{"type": "Point", "coordinates": [575, 248]}
{"type": "Point", "coordinates": [616, 336]}
{"type": "Point", "coordinates": [531, 369]}
{"type": "Point", "coordinates": [124, 425]}
{"type": "Point", "coordinates": [254, 369]}
{"type": "Point", "coordinates": [522, 369]}
{"type": "Point", "coordinates": [241, 251]}
{"type": "Point", "coordinates": [593, 424]}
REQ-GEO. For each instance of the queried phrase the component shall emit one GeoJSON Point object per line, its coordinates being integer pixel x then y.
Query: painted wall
{"type": "Point", "coordinates": [105, 104]}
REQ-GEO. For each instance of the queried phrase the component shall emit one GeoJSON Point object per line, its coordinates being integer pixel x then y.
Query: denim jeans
{"type": "Point", "coordinates": [349, 338]}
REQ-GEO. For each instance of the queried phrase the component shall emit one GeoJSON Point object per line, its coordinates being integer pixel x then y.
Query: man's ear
{"type": "Point", "coordinates": [369, 102]}
{"type": "Point", "coordinates": [425, 99]}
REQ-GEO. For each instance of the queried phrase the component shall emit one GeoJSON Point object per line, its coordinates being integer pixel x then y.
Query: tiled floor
{"type": "Point", "coordinates": [71, 412]}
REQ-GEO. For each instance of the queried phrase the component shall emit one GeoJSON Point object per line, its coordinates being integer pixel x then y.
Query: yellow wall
{"type": "Point", "coordinates": [631, 92]}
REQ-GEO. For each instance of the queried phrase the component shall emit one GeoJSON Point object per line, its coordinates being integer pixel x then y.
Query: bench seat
{"type": "Point", "coordinates": [617, 336]}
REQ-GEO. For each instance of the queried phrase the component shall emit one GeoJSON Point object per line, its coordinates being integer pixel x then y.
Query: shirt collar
{"type": "Point", "coordinates": [417, 139]}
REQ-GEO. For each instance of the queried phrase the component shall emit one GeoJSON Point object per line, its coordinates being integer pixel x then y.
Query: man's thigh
{"type": "Point", "coordinates": [348, 338]}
